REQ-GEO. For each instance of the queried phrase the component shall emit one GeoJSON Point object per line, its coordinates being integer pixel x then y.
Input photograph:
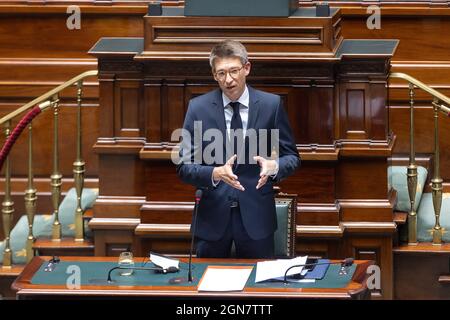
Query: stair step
{"type": "Point", "coordinates": [7, 277]}
{"type": "Point", "coordinates": [423, 247]}
{"type": "Point", "coordinates": [14, 271]}
{"type": "Point", "coordinates": [400, 217]}
{"type": "Point", "coordinates": [65, 247]}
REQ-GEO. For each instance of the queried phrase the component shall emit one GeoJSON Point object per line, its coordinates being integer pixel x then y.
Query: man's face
{"type": "Point", "coordinates": [230, 73]}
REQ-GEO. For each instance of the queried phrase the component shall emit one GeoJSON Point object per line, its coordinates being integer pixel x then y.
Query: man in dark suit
{"type": "Point", "coordinates": [238, 200]}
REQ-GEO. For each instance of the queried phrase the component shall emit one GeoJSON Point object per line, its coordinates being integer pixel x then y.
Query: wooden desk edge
{"type": "Point", "coordinates": [22, 285]}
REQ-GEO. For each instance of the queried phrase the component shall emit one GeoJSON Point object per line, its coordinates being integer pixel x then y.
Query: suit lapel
{"type": "Point", "coordinates": [253, 108]}
{"type": "Point", "coordinates": [219, 117]}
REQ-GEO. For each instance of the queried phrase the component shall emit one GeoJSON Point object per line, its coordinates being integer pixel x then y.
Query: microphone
{"type": "Point", "coordinates": [345, 264]}
{"type": "Point", "coordinates": [198, 197]}
{"type": "Point", "coordinates": [52, 264]}
{"type": "Point", "coordinates": [158, 269]}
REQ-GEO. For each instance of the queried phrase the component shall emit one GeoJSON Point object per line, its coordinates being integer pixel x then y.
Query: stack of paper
{"type": "Point", "coordinates": [276, 269]}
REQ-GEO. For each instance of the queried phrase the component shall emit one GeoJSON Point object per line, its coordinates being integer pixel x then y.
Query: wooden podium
{"type": "Point", "coordinates": [334, 91]}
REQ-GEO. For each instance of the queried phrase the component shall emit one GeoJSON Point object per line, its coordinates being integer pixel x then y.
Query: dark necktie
{"type": "Point", "coordinates": [236, 123]}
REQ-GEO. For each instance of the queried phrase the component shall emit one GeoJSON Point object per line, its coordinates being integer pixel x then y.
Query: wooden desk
{"type": "Point", "coordinates": [355, 289]}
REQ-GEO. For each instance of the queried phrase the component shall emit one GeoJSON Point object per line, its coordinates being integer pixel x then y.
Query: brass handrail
{"type": "Point", "coordinates": [47, 95]}
{"type": "Point", "coordinates": [422, 86]}
{"type": "Point", "coordinates": [440, 103]}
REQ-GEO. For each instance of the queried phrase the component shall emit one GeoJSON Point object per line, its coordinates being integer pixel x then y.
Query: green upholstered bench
{"type": "Point", "coordinates": [398, 180]}
{"type": "Point", "coordinates": [42, 225]}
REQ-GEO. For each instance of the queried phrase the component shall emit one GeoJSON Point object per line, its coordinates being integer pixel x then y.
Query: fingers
{"type": "Point", "coordinates": [229, 177]}
{"type": "Point", "coordinates": [237, 185]}
{"type": "Point", "coordinates": [263, 164]}
{"type": "Point", "coordinates": [262, 181]}
{"type": "Point", "coordinates": [231, 160]}
{"type": "Point", "coordinates": [259, 159]}
{"type": "Point", "coordinates": [232, 181]}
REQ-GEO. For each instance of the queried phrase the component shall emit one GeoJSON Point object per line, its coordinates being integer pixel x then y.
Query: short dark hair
{"type": "Point", "coordinates": [228, 49]}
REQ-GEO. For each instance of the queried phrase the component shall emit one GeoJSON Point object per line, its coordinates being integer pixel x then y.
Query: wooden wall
{"type": "Point", "coordinates": [38, 52]}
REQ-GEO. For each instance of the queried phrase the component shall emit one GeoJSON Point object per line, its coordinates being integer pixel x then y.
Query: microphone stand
{"type": "Point", "coordinates": [198, 196]}
{"type": "Point", "coordinates": [348, 262]}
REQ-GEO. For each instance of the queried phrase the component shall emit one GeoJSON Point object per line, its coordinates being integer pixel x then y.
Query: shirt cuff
{"type": "Point", "coordinates": [276, 169]}
{"type": "Point", "coordinates": [214, 184]}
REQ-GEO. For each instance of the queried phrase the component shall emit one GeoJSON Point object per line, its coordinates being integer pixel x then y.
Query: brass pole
{"type": "Point", "coordinates": [436, 182]}
{"type": "Point", "coordinates": [7, 207]}
{"type": "Point", "coordinates": [30, 197]}
{"type": "Point", "coordinates": [56, 176]}
{"type": "Point", "coordinates": [78, 171]}
{"type": "Point", "coordinates": [412, 175]}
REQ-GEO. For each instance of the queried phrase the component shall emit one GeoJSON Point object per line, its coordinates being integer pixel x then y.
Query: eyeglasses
{"type": "Point", "coordinates": [222, 74]}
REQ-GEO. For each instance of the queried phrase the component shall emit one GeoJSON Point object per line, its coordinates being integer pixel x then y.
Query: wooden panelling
{"type": "Point", "coordinates": [313, 182]}
{"type": "Point", "coordinates": [128, 109]}
{"type": "Point", "coordinates": [166, 184]}
{"type": "Point", "coordinates": [420, 36]}
{"type": "Point", "coordinates": [367, 180]}
{"type": "Point", "coordinates": [43, 35]}
{"type": "Point", "coordinates": [121, 175]}
{"type": "Point", "coordinates": [312, 107]}
{"type": "Point", "coordinates": [43, 145]}
{"type": "Point", "coordinates": [380, 249]}
{"type": "Point", "coordinates": [321, 214]}
{"type": "Point", "coordinates": [177, 35]}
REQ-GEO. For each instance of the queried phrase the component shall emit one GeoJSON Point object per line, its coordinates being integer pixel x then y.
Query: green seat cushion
{"type": "Point", "coordinates": [68, 207]}
{"type": "Point", "coordinates": [398, 179]}
{"type": "Point", "coordinates": [426, 218]}
{"type": "Point", "coordinates": [42, 227]}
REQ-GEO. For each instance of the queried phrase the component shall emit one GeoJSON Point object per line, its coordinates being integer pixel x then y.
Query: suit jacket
{"type": "Point", "coordinates": [257, 206]}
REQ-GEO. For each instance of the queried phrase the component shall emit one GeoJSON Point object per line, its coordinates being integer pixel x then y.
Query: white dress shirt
{"type": "Point", "coordinates": [244, 100]}
{"type": "Point", "coordinates": [244, 107]}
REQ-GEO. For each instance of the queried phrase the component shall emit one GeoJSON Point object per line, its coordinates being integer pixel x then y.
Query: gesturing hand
{"type": "Point", "coordinates": [225, 173]}
{"type": "Point", "coordinates": [268, 168]}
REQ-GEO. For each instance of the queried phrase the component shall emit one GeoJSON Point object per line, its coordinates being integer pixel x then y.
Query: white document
{"type": "Point", "coordinates": [163, 262]}
{"type": "Point", "coordinates": [275, 269]}
{"type": "Point", "coordinates": [222, 278]}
